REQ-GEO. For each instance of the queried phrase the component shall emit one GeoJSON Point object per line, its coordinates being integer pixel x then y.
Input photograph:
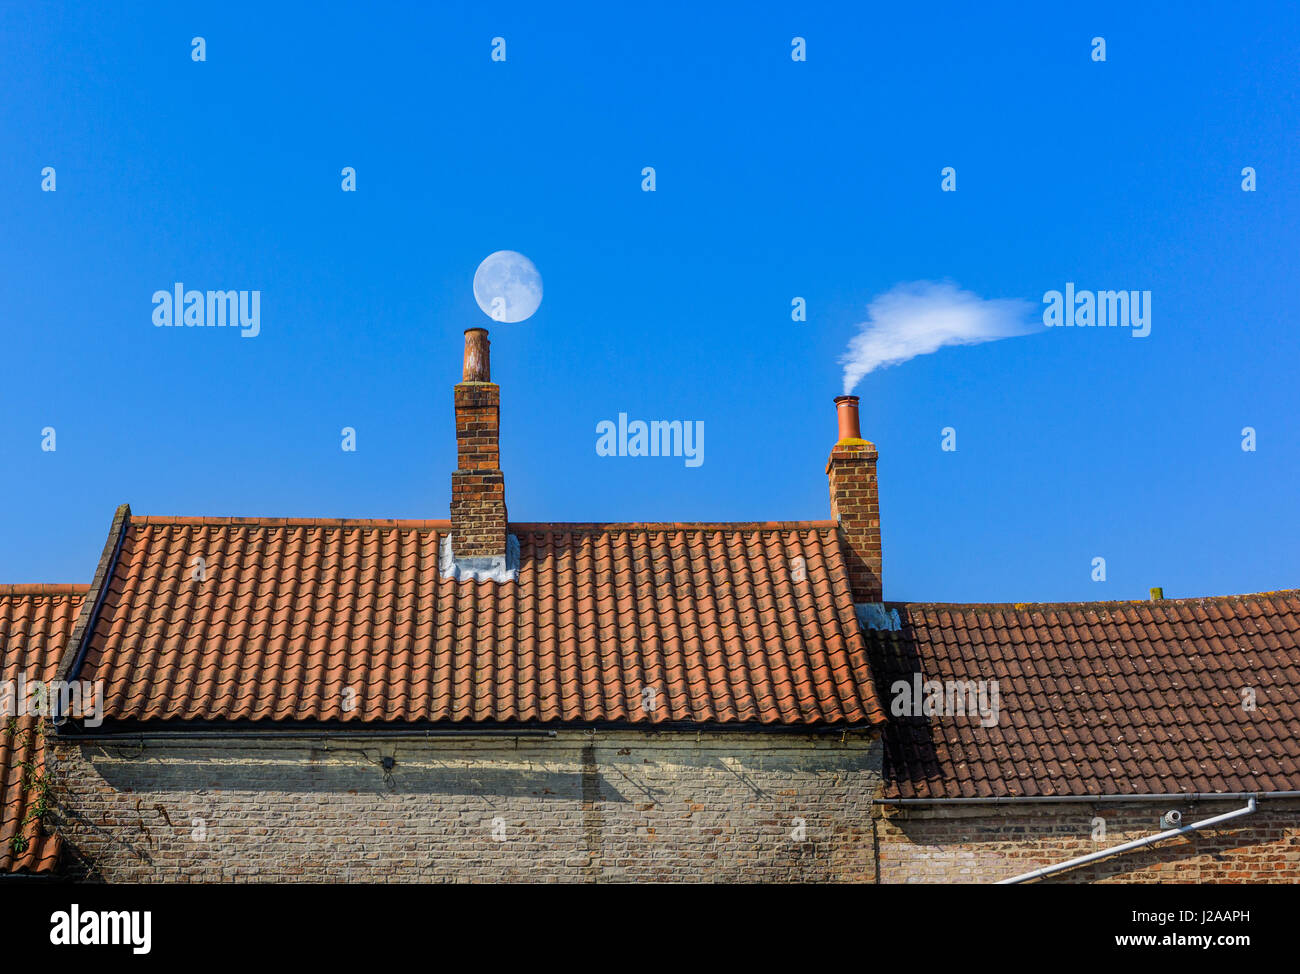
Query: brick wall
{"type": "Point", "coordinates": [613, 806]}
{"type": "Point", "coordinates": [926, 844]}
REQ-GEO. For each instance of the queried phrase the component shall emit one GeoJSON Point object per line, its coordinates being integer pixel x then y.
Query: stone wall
{"type": "Point", "coordinates": [603, 806]}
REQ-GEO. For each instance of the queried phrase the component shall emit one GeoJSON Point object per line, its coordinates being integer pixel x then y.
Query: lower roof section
{"type": "Point", "coordinates": [1165, 697]}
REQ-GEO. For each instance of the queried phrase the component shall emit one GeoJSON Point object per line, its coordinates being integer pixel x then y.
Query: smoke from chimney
{"type": "Point", "coordinates": [922, 317]}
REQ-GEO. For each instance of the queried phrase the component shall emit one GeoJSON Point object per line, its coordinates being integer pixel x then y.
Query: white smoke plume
{"type": "Point", "coordinates": [923, 316]}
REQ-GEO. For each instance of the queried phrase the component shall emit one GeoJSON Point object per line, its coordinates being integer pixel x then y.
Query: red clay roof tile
{"type": "Point", "coordinates": [315, 620]}
{"type": "Point", "coordinates": [35, 623]}
{"type": "Point", "coordinates": [1157, 712]}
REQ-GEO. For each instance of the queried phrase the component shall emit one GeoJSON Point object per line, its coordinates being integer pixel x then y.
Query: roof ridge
{"type": "Point", "coordinates": [1022, 606]}
{"type": "Point", "coordinates": [668, 525]}
{"type": "Point", "coordinates": [43, 588]}
{"type": "Point", "coordinates": [175, 520]}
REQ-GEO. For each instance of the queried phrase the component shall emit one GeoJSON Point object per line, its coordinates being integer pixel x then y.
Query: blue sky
{"type": "Point", "coordinates": [775, 179]}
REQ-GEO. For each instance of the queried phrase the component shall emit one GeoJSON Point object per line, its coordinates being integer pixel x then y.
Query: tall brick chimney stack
{"type": "Point", "coordinates": [478, 487]}
{"type": "Point", "coordinates": [855, 502]}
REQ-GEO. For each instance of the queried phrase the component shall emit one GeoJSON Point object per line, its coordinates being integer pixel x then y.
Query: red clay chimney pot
{"type": "Point", "coordinates": [847, 408]}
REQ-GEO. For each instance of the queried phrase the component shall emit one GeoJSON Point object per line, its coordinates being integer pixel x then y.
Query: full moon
{"type": "Point", "coordinates": [507, 286]}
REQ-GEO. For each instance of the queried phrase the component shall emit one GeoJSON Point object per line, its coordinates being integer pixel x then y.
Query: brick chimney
{"type": "Point", "coordinates": [855, 502]}
{"type": "Point", "coordinates": [478, 487]}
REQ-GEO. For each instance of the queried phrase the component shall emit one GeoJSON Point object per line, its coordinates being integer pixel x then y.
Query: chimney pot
{"type": "Point", "coordinates": [847, 409]}
{"type": "Point", "coordinates": [478, 366]}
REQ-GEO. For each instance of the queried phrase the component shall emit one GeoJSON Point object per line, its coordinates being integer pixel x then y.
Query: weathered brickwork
{"type": "Point", "coordinates": [928, 844]}
{"type": "Point", "coordinates": [609, 806]}
{"type": "Point", "coordinates": [855, 505]}
{"type": "Point", "coordinates": [478, 490]}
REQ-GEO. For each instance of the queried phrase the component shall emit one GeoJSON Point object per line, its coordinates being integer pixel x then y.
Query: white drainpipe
{"type": "Point", "coordinates": [1135, 844]}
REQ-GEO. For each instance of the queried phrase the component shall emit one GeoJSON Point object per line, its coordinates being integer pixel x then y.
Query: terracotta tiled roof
{"type": "Point", "coordinates": [311, 620]}
{"type": "Point", "coordinates": [35, 621]}
{"type": "Point", "coordinates": [1100, 698]}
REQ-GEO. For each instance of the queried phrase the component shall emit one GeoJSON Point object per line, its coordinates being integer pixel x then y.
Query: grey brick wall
{"type": "Point", "coordinates": [607, 806]}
